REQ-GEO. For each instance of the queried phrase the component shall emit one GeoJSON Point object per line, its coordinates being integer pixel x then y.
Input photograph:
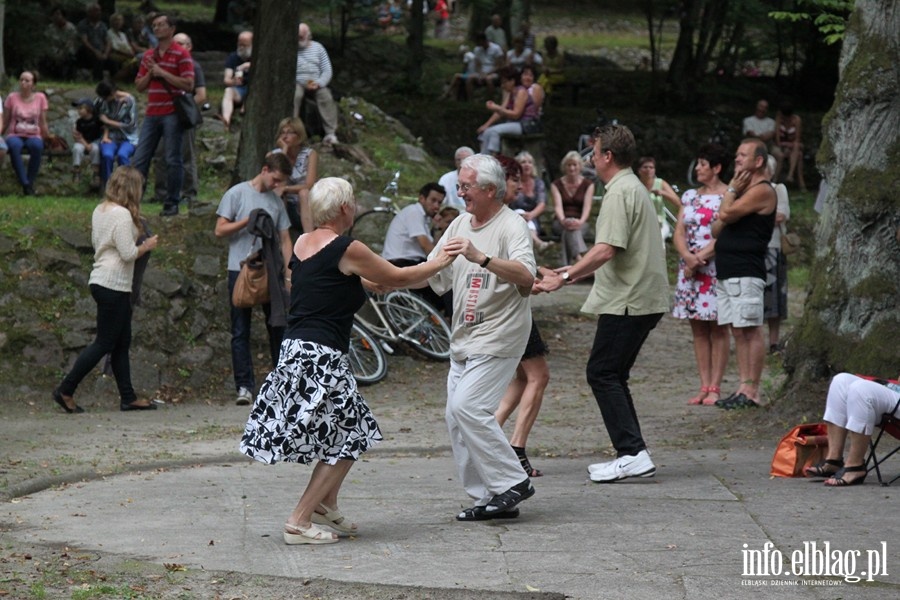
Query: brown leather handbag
{"type": "Point", "coordinates": [252, 285]}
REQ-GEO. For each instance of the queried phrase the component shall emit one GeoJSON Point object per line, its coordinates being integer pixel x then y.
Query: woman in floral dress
{"type": "Point", "coordinates": [695, 289]}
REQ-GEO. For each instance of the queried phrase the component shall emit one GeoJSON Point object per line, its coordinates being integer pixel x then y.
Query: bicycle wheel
{"type": "Point", "coordinates": [367, 360]}
{"type": "Point", "coordinates": [371, 227]}
{"type": "Point", "coordinates": [418, 324]}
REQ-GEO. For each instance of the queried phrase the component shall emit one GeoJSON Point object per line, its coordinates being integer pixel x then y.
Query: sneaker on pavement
{"type": "Point", "coordinates": [244, 396]}
{"type": "Point", "coordinates": [623, 467]}
{"type": "Point", "coordinates": [601, 466]}
{"type": "Point", "coordinates": [608, 464]}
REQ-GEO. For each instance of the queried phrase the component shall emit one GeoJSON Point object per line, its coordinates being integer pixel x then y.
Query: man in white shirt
{"type": "Point", "coordinates": [761, 125]}
{"type": "Point", "coordinates": [449, 179]}
{"type": "Point", "coordinates": [488, 58]}
{"type": "Point", "coordinates": [409, 238]}
{"type": "Point", "coordinates": [496, 33]}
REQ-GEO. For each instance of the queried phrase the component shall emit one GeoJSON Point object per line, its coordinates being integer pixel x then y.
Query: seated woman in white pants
{"type": "Point", "coordinates": [853, 405]}
{"type": "Point", "coordinates": [516, 114]}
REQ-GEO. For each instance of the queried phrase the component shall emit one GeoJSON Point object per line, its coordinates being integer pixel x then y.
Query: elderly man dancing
{"type": "Point", "coordinates": [491, 280]}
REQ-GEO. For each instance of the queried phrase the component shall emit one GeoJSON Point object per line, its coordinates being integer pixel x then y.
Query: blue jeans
{"type": "Point", "coordinates": [35, 148]}
{"type": "Point", "coordinates": [616, 346]}
{"type": "Point", "coordinates": [113, 338]}
{"type": "Point", "coordinates": [241, 357]}
{"type": "Point", "coordinates": [154, 129]}
{"type": "Point", "coordinates": [112, 152]}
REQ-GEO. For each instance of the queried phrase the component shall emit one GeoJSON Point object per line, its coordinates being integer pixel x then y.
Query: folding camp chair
{"type": "Point", "coordinates": [890, 424]}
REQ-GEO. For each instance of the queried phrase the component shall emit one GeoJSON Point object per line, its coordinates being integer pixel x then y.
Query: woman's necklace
{"type": "Point", "coordinates": [334, 231]}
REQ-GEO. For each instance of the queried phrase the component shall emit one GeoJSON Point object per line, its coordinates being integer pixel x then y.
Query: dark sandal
{"type": "Point", "coordinates": [510, 498]}
{"type": "Point", "coordinates": [738, 401]}
{"type": "Point", "coordinates": [839, 480]}
{"type": "Point", "coordinates": [824, 468]}
{"type": "Point", "coordinates": [526, 464]}
{"type": "Point", "coordinates": [476, 513]}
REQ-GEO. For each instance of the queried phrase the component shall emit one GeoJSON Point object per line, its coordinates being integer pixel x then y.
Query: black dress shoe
{"type": "Point", "coordinates": [125, 407]}
{"type": "Point", "coordinates": [58, 398]}
{"type": "Point", "coordinates": [169, 210]}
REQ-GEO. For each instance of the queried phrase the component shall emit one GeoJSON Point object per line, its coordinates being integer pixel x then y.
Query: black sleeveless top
{"type": "Point", "coordinates": [324, 300]}
{"type": "Point", "coordinates": [741, 247]}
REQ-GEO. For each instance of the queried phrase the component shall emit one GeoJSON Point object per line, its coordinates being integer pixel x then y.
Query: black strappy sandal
{"type": "Point", "coordinates": [824, 468]}
{"type": "Point", "coordinates": [839, 481]}
{"type": "Point", "coordinates": [526, 464]}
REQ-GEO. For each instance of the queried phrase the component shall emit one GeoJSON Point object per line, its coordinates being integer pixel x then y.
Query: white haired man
{"type": "Point", "coordinates": [313, 76]}
{"type": "Point", "coordinates": [491, 279]}
{"type": "Point", "coordinates": [449, 179]}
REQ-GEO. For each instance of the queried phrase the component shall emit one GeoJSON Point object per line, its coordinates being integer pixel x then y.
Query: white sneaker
{"type": "Point", "coordinates": [244, 396]}
{"type": "Point", "coordinates": [330, 139]}
{"type": "Point", "coordinates": [600, 466]}
{"type": "Point", "coordinates": [624, 467]}
{"type": "Point", "coordinates": [608, 464]}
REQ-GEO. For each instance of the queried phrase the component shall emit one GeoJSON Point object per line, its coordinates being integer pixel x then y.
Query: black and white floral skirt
{"type": "Point", "coordinates": [309, 409]}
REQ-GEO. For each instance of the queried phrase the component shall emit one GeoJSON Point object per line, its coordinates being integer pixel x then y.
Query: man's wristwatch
{"type": "Point", "coordinates": [732, 190]}
{"type": "Point", "coordinates": [487, 259]}
{"type": "Point", "coordinates": [565, 277]}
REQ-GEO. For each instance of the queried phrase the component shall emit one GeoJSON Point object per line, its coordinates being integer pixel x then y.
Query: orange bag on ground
{"type": "Point", "coordinates": [803, 446]}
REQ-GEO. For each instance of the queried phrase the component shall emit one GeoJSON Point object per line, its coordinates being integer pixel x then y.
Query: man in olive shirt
{"type": "Point", "coordinates": [630, 295]}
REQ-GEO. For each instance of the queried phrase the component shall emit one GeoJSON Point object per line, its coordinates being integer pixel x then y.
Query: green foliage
{"type": "Point", "coordinates": [829, 16]}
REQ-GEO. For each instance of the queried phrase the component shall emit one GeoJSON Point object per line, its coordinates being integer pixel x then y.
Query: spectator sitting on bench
{"type": "Point", "coordinates": [237, 76]}
{"type": "Point", "coordinates": [117, 111]}
{"type": "Point", "coordinates": [528, 76]}
{"type": "Point", "coordinates": [121, 50]}
{"type": "Point", "coordinates": [531, 200]}
{"type": "Point", "coordinates": [457, 83]}
{"type": "Point", "coordinates": [572, 195]}
{"type": "Point", "coordinates": [61, 44]}
{"type": "Point", "coordinates": [519, 56]}
{"type": "Point", "coordinates": [25, 127]}
{"type": "Point", "coordinates": [516, 114]}
{"type": "Point", "coordinates": [553, 64]}
{"type": "Point", "coordinates": [87, 133]}
{"type": "Point", "coordinates": [94, 51]}
{"type": "Point", "coordinates": [488, 58]}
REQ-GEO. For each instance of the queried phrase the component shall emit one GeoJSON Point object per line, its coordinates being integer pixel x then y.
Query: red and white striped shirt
{"type": "Point", "coordinates": [177, 61]}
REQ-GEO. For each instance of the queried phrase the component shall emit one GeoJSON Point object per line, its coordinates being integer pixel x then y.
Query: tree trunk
{"type": "Point", "coordinates": [221, 14]}
{"type": "Point", "coordinates": [852, 317]}
{"type": "Point", "coordinates": [415, 43]}
{"type": "Point", "coordinates": [107, 7]}
{"type": "Point", "coordinates": [680, 80]}
{"type": "Point", "coordinates": [479, 17]}
{"type": "Point", "coordinates": [271, 94]}
{"type": "Point", "coordinates": [3, 77]}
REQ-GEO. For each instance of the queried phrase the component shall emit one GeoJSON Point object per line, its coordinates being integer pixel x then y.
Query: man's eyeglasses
{"type": "Point", "coordinates": [463, 188]}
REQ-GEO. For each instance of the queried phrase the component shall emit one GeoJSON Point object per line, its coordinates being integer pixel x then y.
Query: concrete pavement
{"type": "Point", "coordinates": [682, 533]}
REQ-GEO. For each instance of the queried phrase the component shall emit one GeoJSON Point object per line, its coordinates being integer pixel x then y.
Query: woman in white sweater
{"type": "Point", "coordinates": [115, 228]}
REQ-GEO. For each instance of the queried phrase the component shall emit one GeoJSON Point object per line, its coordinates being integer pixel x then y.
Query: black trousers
{"type": "Point", "coordinates": [617, 342]}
